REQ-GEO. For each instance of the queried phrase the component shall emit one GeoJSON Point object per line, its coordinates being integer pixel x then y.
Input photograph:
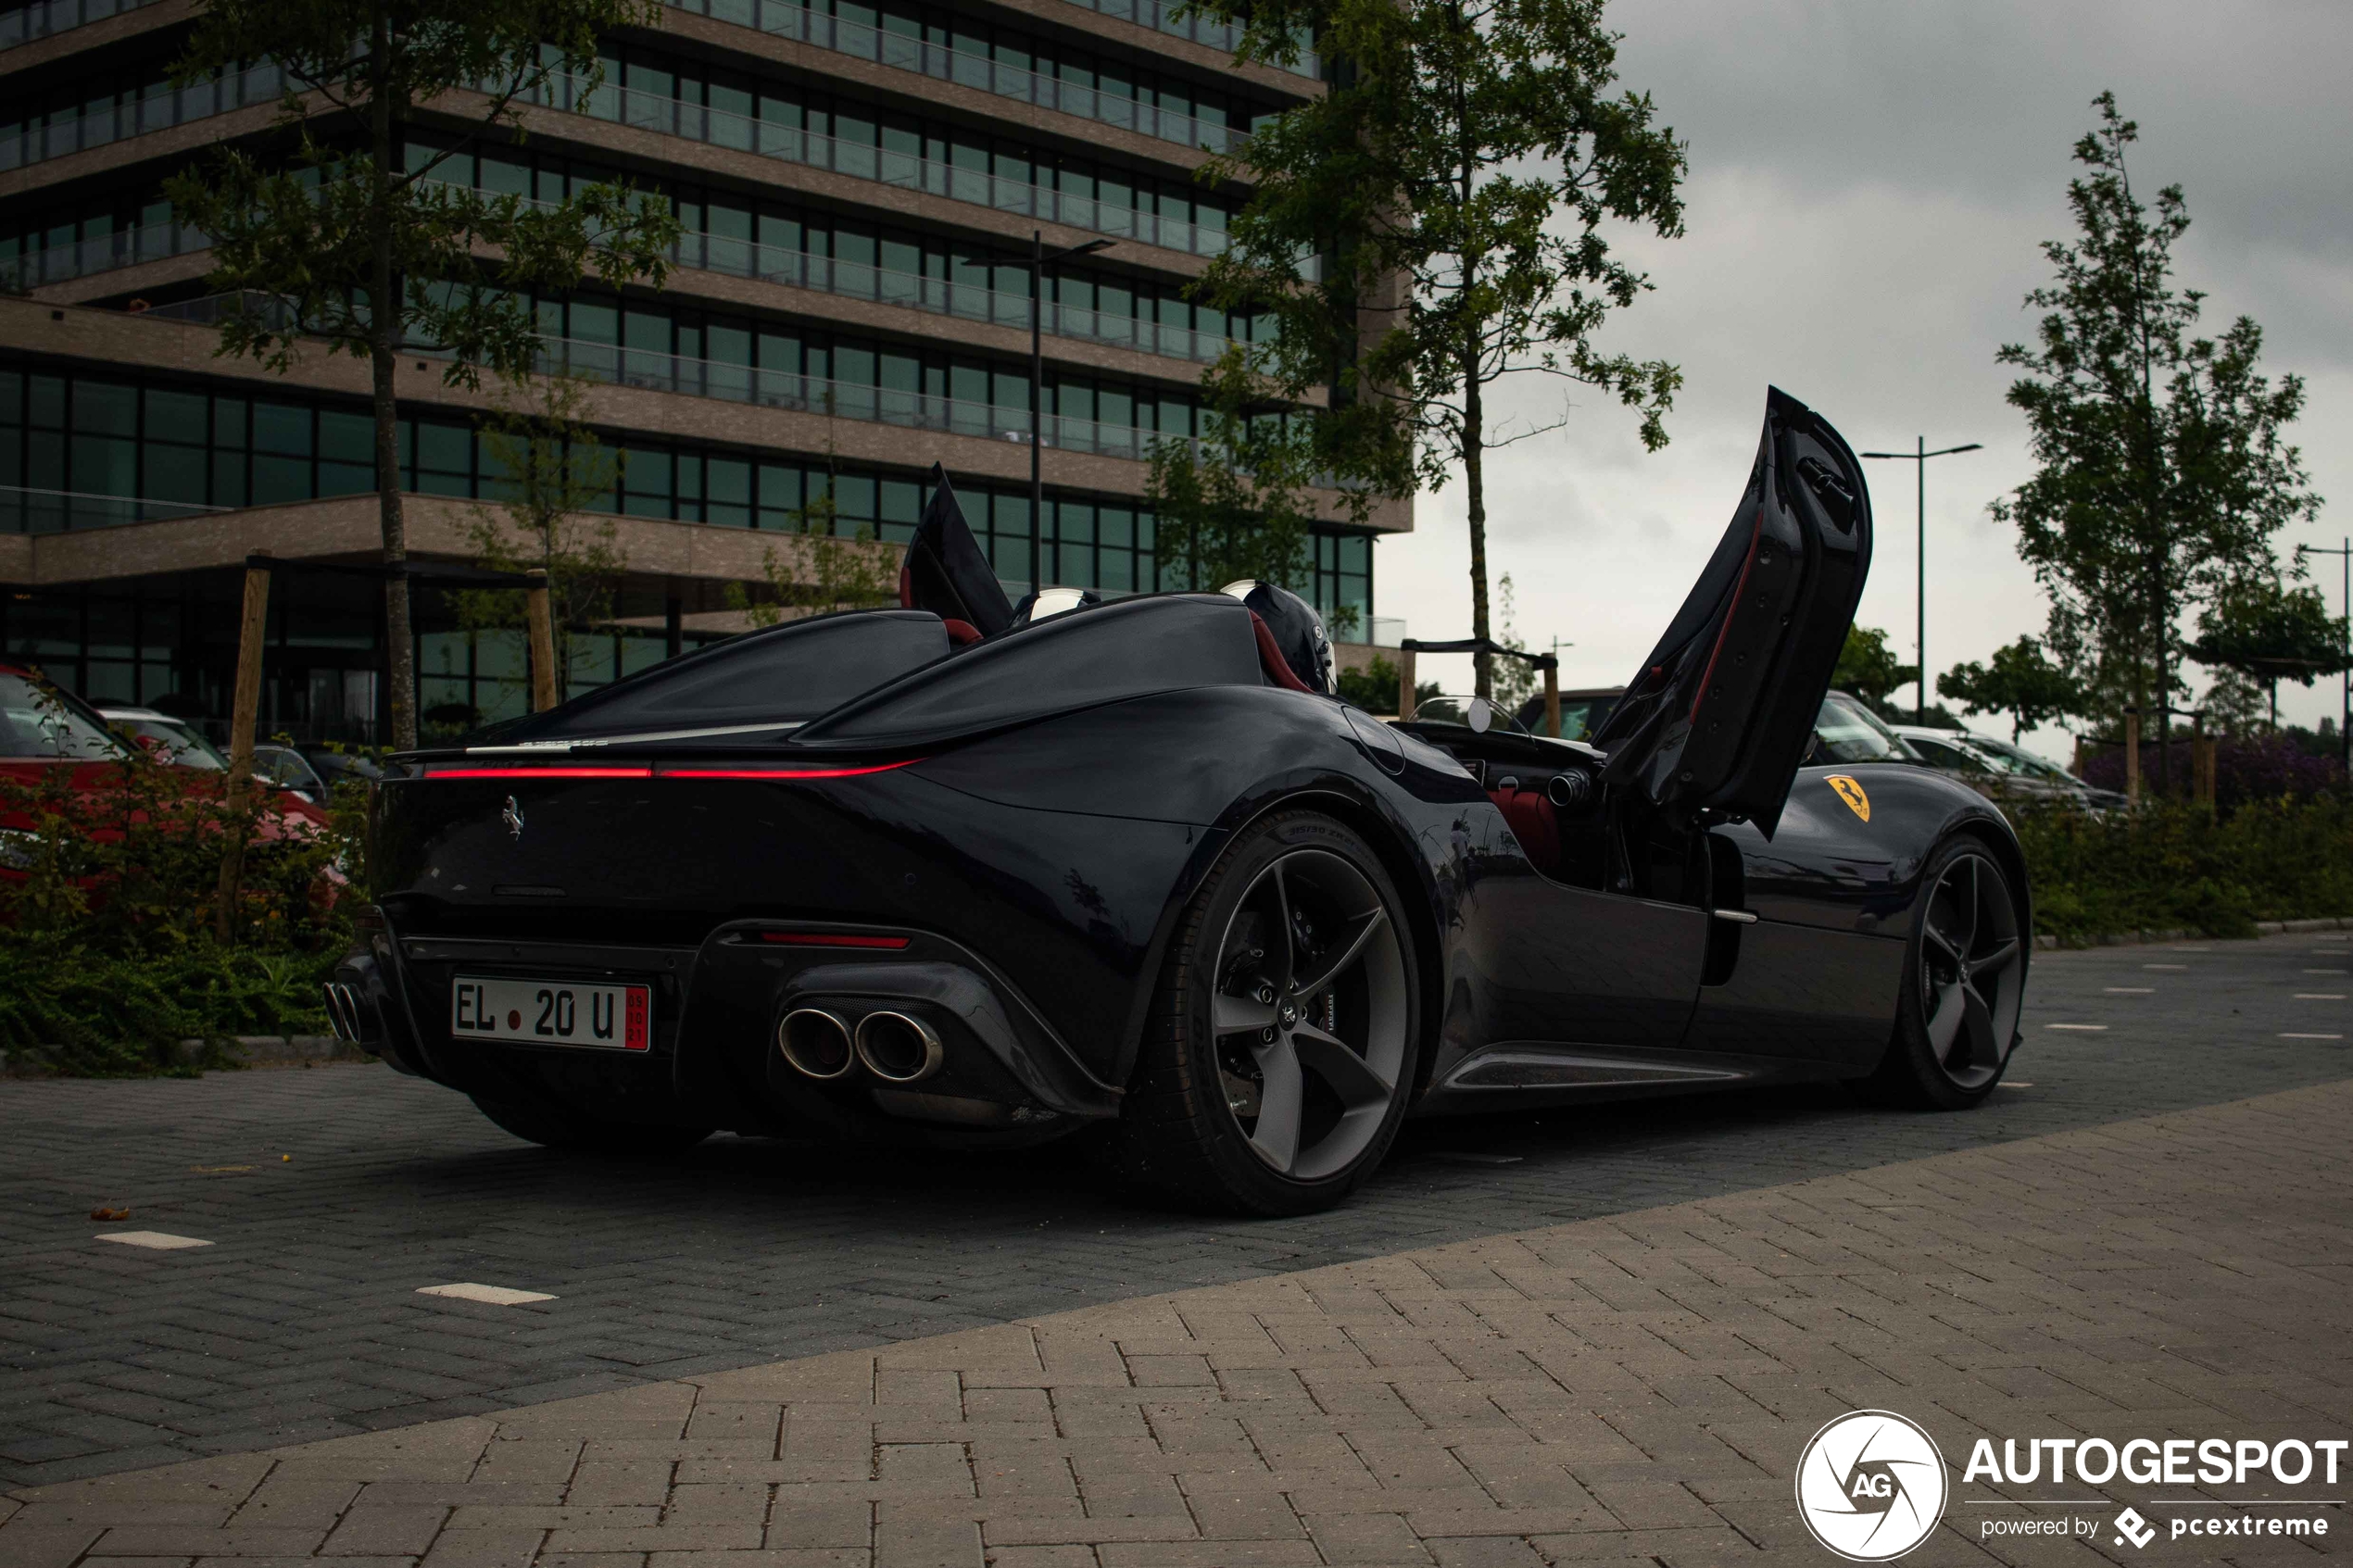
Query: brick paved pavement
{"type": "Point", "coordinates": [302, 1320]}
{"type": "Point", "coordinates": [1634, 1390]}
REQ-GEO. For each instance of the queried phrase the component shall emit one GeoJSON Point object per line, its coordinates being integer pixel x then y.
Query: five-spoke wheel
{"type": "Point", "coordinates": [1956, 1018]}
{"type": "Point", "coordinates": [1280, 1052]}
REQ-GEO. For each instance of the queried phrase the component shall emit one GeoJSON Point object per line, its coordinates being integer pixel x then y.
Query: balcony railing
{"type": "Point", "coordinates": [779, 264]}
{"type": "Point", "coordinates": [861, 160]}
{"type": "Point", "coordinates": [158, 107]}
{"type": "Point", "coordinates": [44, 17]}
{"type": "Point", "coordinates": [651, 371]}
{"type": "Point", "coordinates": [168, 106]}
{"type": "Point", "coordinates": [789, 19]}
{"type": "Point", "coordinates": [706, 252]}
{"type": "Point", "coordinates": [102, 253]}
{"type": "Point", "coordinates": [1162, 17]}
{"type": "Point", "coordinates": [24, 511]}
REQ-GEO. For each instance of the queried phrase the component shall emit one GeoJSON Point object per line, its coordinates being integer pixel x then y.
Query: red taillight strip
{"type": "Point", "coordinates": [831, 939]}
{"type": "Point", "coordinates": [676, 773]}
{"type": "Point", "coordinates": [539, 772]}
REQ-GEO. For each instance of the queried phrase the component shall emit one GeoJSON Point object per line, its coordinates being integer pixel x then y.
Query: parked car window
{"type": "Point", "coordinates": [1847, 732]}
{"type": "Point", "coordinates": [2018, 760]}
{"type": "Point", "coordinates": [36, 721]}
{"type": "Point", "coordinates": [1945, 754]}
{"type": "Point", "coordinates": [173, 744]}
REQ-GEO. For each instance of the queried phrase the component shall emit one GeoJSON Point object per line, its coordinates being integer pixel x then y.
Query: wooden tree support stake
{"type": "Point", "coordinates": [1404, 684]}
{"type": "Point", "coordinates": [1553, 700]}
{"type": "Point", "coordinates": [2132, 757]}
{"type": "Point", "coordinates": [543, 641]}
{"type": "Point", "coordinates": [244, 717]}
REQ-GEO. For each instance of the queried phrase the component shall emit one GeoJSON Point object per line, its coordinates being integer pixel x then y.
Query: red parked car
{"type": "Point", "coordinates": [42, 728]}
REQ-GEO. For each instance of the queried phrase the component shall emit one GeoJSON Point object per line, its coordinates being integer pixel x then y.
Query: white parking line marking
{"type": "Point", "coordinates": [2319, 996]}
{"type": "Point", "coordinates": [496, 1294]}
{"type": "Point", "coordinates": [2130, 990]}
{"type": "Point", "coordinates": [2086, 1028]}
{"type": "Point", "coordinates": [2165, 966]}
{"type": "Point", "coordinates": [2311, 1036]}
{"type": "Point", "coordinates": [2324, 972]}
{"type": "Point", "coordinates": [2005, 1083]}
{"type": "Point", "coordinates": [158, 1241]}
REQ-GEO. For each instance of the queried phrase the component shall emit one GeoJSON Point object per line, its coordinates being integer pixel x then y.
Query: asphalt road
{"type": "Point", "coordinates": [331, 1195]}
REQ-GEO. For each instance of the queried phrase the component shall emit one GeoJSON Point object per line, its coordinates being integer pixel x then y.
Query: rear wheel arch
{"type": "Point", "coordinates": [1388, 841]}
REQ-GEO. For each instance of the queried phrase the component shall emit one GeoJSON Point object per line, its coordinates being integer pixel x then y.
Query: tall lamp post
{"type": "Point", "coordinates": [2345, 675]}
{"type": "Point", "coordinates": [1038, 260]}
{"type": "Point", "coordinates": [1920, 455]}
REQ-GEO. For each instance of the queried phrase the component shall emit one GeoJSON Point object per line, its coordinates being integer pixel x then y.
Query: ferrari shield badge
{"type": "Point", "coordinates": [1851, 793]}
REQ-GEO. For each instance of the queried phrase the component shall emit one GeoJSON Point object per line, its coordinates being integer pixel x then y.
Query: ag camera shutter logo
{"type": "Point", "coordinates": [1871, 1485]}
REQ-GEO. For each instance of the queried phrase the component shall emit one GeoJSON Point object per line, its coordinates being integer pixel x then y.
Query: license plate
{"type": "Point", "coordinates": [552, 1012]}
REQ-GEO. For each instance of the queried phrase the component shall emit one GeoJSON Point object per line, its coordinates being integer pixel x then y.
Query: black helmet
{"type": "Point", "coordinates": [1298, 630]}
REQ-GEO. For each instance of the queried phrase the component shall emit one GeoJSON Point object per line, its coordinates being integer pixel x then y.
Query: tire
{"type": "Point", "coordinates": [1964, 980]}
{"type": "Point", "coordinates": [1273, 1080]}
{"type": "Point", "coordinates": [574, 1132]}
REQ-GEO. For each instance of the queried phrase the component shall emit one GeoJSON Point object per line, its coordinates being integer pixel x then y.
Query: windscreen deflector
{"type": "Point", "coordinates": [1717, 721]}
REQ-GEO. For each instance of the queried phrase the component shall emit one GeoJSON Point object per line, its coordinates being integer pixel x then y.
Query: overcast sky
{"type": "Point", "coordinates": [1869, 183]}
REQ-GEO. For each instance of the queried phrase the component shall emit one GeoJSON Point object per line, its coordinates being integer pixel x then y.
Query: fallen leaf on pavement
{"type": "Point", "coordinates": [104, 1213]}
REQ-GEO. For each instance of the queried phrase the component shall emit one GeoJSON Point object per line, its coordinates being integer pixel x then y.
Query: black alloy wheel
{"type": "Point", "coordinates": [1964, 983]}
{"type": "Point", "coordinates": [1279, 1057]}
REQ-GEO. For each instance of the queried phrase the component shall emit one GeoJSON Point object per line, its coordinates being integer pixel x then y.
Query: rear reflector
{"type": "Point", "coordinates": [539, 772]}
{"type": "Point", "coordinates": [831, 939]}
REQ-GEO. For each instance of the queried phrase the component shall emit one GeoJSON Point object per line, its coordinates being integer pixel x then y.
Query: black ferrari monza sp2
{"type": "Point", "coordinates": [943, 872]}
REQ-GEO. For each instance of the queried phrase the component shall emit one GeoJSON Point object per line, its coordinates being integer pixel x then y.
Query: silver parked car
{"type": "Point", "coordinates": [2000, 767]}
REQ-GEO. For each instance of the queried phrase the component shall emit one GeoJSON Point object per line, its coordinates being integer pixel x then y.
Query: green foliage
{"type": "Point", "coordinates": [1868, 667]}
{"type": "Point", "coordinates": [1434, 222]}
{"type": "Point", "coordinates": [1514, 681]}
{"type": "Point", "coordinates": [2021, 680]}
{"type": "Point", "coordinates": [1236, 503]}
{"type": "Point", "coordinates": [827, 571]}
{"type": "Point", "coordinates": [1374, 688]}
{"type": "Point", "coordinates": [554, 469]}
{"type": "Point", "coordinates": [2163, 473]}
{"type": "Point", "coordinates": [332, 240]}
{"type": "Point", "coordinates": [107, 953]}
{"type": "Point", "coordinates": [2169, 866]}
{"type": "Point", "coordinates": [2265, 632]}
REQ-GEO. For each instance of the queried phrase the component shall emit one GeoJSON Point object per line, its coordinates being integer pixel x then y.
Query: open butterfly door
{"type": "Point", "coordinates": [1718, 718]}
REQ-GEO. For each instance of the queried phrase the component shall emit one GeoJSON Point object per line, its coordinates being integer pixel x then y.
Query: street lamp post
{"type": "Point", "coordinates": [1037, 263]}
{"type": "Point", "coordinates": [2345, 636]}
{"type": "Point", "coordinates": [1920, 455]}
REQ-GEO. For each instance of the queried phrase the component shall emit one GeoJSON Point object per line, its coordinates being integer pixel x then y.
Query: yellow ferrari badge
{"type": "Point", "coordinates": [1851, 793]}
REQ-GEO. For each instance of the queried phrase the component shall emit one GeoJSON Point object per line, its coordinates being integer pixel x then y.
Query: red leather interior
{"type": "Point", "coordinates": [1270, 659]}
{"type": "Point", "coordinates": [963, 633]}
{"type": "Point", "coordinates": [1533, 822]}
{"type": "Point", "coordinates": [906, 586]}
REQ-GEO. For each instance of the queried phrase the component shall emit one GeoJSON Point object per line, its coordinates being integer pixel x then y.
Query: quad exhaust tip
{"type": "Point", "coordinates": [343, 1012]}
{"type": "Point", "coordinates": [899, 1049]}
{"type": "Point", "coordinates": [816, 1043]}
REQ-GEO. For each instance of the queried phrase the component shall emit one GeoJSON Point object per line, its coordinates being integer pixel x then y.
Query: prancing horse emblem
{"type": "Point", "coordinates": [513, 816]}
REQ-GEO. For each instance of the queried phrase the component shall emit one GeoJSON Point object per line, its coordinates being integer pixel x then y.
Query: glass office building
{"type": "Point", "coordinates": [858, 188]}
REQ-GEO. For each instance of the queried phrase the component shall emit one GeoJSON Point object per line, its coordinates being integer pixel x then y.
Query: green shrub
{"type": "Point", "coordinates": [2168, 866]}
{"type": "Point", "coordinates": [108, 952]}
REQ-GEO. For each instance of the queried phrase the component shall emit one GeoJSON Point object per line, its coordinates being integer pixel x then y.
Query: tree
{"type": "Point", "coordinates": [2266, 630]}
{"type": "Point", "coordinates": [2022, 680]}
{"type": "Point", "coordinates": [359, 243]}
{"type": "Point", "coordinates": [831, 571]}
{"type": "Point", "coordinates": [1433, 223]}
{"type": "Point", "coordinates": [553, 468]}
{"type": "Point", "coordinates": [1234, 503]}
{"type": "Point", "coordinates": [2162, 473]}
{"type": "Point", "coordinates": [1374, 688]}
{"type": "Point", "coordinates": [1868, 668]}
{"type": "Point", "coordinates": [1515, 680]}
